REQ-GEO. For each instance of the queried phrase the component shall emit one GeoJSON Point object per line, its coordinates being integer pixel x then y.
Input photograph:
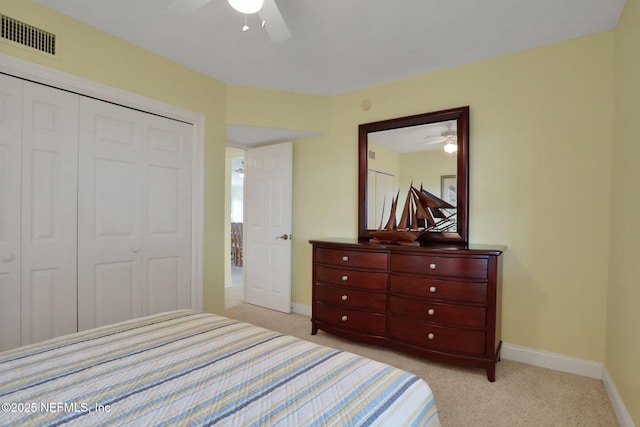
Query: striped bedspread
{"type": "Point", "coordinates": [190, 368]}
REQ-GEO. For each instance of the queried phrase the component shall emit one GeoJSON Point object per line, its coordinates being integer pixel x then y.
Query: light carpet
{"type": "Point", "coordinates": [523, 395]}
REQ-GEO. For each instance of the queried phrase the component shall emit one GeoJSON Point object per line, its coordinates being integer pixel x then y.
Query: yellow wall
{"type": "Point", "coordinates": [86, 52]}
{"type": "Point", "coordinates": [385, 160]}
{"type": "Point", "coordinates": [276, 109]}
{"type": "Point", "coordinates": [540, 149]}
{"type": "Point", "coordinates": [425, 168]}
{"type": "Point", "coordinates": [623, 315]}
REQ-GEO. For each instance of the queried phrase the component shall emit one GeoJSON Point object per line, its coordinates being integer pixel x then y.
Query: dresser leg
{"type": "Point", "coordinates": [314, 328]}
{"type": "Point", "coordinates": [491, 367]}
{"type": "Point", "coordinates": [491, 372]}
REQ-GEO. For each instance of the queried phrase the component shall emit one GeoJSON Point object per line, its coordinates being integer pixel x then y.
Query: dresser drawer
{"type": "Point", "coordinates": [472, 268]}
{"type": "Point", "coordinates": [346, 297]}
{"type": "Point", "coordinates": [451, 315]}
{"type": "Point", "coordinates": [361, 321]}
{"type": "Point", "coordinates": [351, 278]}
{"type": "Point", "coordinates": [448, 290]}
{"type": "Point", "coordinates": [348, 258]}
{"type": "Point", "coordinates": [437, 337]}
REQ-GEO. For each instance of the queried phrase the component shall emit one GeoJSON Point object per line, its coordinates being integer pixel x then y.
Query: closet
{"type": "Point", "coordinates": [95, 213]}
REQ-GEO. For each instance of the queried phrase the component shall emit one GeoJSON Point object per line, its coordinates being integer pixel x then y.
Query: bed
{"type": "Point", "coordinates": [191, 368]}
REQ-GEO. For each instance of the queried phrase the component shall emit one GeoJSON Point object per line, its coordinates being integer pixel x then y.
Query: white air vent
{"type": "Point", "coordinates": [27, 35]}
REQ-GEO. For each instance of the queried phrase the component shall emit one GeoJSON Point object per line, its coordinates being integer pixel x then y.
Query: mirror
{"type": "Point", "coordinates": [397, 152]}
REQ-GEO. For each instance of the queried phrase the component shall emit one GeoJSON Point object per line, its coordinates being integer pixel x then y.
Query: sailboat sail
{"type": "Point", "coordinates": [422, 212]}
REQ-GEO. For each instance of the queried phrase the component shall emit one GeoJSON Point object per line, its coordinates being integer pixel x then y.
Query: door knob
{"type": "Point", "coordinates": [284, 237]}
{"type": "Point", "coordinates": [8, 257]}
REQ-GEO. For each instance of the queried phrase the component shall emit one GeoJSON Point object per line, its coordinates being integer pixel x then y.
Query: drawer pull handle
{"type": "Point", "coordinates": [431, 312]}
{"type": "Point", "coordinates": [432, 289]}
{"type": "Point", "coordinates": [345, 258]}
{"type": "Point", "coordinates": [345, 278]}
{"type": "Point", "coordinates": [344, 318]}
{"type": "Point", "coordinates": [431, 336]}
{"type": "Point", "coordinates": [344, 297]}
{"type": "Point", "coordinates": [432, 266]}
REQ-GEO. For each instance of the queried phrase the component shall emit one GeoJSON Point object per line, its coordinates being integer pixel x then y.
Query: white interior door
{"type": "Point", "coordinates": [110, 209]}
{"type": "Point", "coordinates": [166, 216]}
{"type": "Point", "coordinates": [380, 187]}
{"type": "Point", "coordinates": [267, 261]}
{"type": "Point", "coordinates": [10, 195]}
{"type": "Point", "coordinates": [135, 214]}
{"type": "Point", "coordinates": [49, 213]}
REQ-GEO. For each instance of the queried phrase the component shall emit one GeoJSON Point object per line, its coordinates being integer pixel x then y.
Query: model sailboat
{"type": "Point", "coordinates": [422, 212]}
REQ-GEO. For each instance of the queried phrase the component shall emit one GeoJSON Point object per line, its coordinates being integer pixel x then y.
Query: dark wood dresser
{"type": "Point", "coordinates": [439, 301]}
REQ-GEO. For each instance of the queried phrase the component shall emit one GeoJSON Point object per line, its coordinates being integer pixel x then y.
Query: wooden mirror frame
{"type": "Point", "coordinates": [461, 115]}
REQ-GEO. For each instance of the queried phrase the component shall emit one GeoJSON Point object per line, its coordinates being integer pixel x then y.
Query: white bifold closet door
{"type": "Point", "coordinates": [38, 210]}
{"type": "Point", "coordinates": [134, 223]}
{"type": "Point", "coordinates": [10, 200]}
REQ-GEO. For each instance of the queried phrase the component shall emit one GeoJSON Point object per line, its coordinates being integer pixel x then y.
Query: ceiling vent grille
{"type": "Point", "coordinates": [27, 35]}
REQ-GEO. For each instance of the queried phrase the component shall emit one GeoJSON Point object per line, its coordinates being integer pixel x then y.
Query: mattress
{"type": "Point", "coordinates": [190, 368]}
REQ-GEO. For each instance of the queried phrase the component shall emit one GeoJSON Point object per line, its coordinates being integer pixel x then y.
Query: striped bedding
{"type": "Point", "coordinates": [190, 368]}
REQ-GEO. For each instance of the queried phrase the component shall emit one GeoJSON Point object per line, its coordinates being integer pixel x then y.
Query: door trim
{"type": "Point", "coordinates": [58, 79]}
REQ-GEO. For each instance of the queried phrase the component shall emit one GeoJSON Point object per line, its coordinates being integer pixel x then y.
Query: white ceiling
{"type": "Point", "coordinates": [252, 136]}
{"type": "Point", "coordinates": [337, 46]}
{"type": "Point", "coordinates": [413, 138]}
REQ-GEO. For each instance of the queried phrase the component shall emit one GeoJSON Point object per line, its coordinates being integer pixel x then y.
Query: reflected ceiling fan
{"type": "Point", "coordinates": [449, 138]}
{"type": "Point", "coordinates": [270, 17]}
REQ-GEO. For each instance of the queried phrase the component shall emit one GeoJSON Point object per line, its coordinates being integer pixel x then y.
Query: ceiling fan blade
{"type": "Point", "coordinates": [187, 6]}
{"type": "Point", "coordinates": [432, 140]}
{"type": "Point", "coordinates": [274, 22]}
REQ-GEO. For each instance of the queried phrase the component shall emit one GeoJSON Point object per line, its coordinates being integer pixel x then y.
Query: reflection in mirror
{"type": "Point", "coordinates": [428, 151]}
{"type": "Point", "coordinates": [414, 155]}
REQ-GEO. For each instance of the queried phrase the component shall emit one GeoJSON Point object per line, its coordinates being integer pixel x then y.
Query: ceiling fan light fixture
{"type": "Point", "coordinates": [450, 144]}
{"type": "Point", "coordinates": [450, 148]}
{"type": "Point", "coordinates": [246, 6]}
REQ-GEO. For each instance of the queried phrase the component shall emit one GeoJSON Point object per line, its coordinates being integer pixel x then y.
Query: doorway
{"type": "Point", "coordinates": [234, 255]}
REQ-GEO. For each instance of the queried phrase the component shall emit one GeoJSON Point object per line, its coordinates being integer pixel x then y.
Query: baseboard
{"type": "Point", "coordinates": [556, 361]}
{"type": "Point", "coordinates": [573, 365]}
{"type": "Point", "coordinates": [623, 415]}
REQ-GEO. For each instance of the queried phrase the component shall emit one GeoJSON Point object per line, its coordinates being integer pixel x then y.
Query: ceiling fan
{"type": "Point", "coordinates": [270, 17]}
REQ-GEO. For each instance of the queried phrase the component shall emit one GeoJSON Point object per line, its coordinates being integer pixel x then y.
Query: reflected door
{"type": "Point", "coordinates": [380, 195]}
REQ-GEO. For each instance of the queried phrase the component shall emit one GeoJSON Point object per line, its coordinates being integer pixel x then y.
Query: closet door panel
{"type": "Point", "coordinates": [110, 208]}
{"type": "Point", "coordinates": [49, 213]}
{"type": "Point", "coordinates": [167, 215]}
{"type": "Point", "coordinates": [115, 292]}
{"type": "Point", "coordinates": [10, 195]}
